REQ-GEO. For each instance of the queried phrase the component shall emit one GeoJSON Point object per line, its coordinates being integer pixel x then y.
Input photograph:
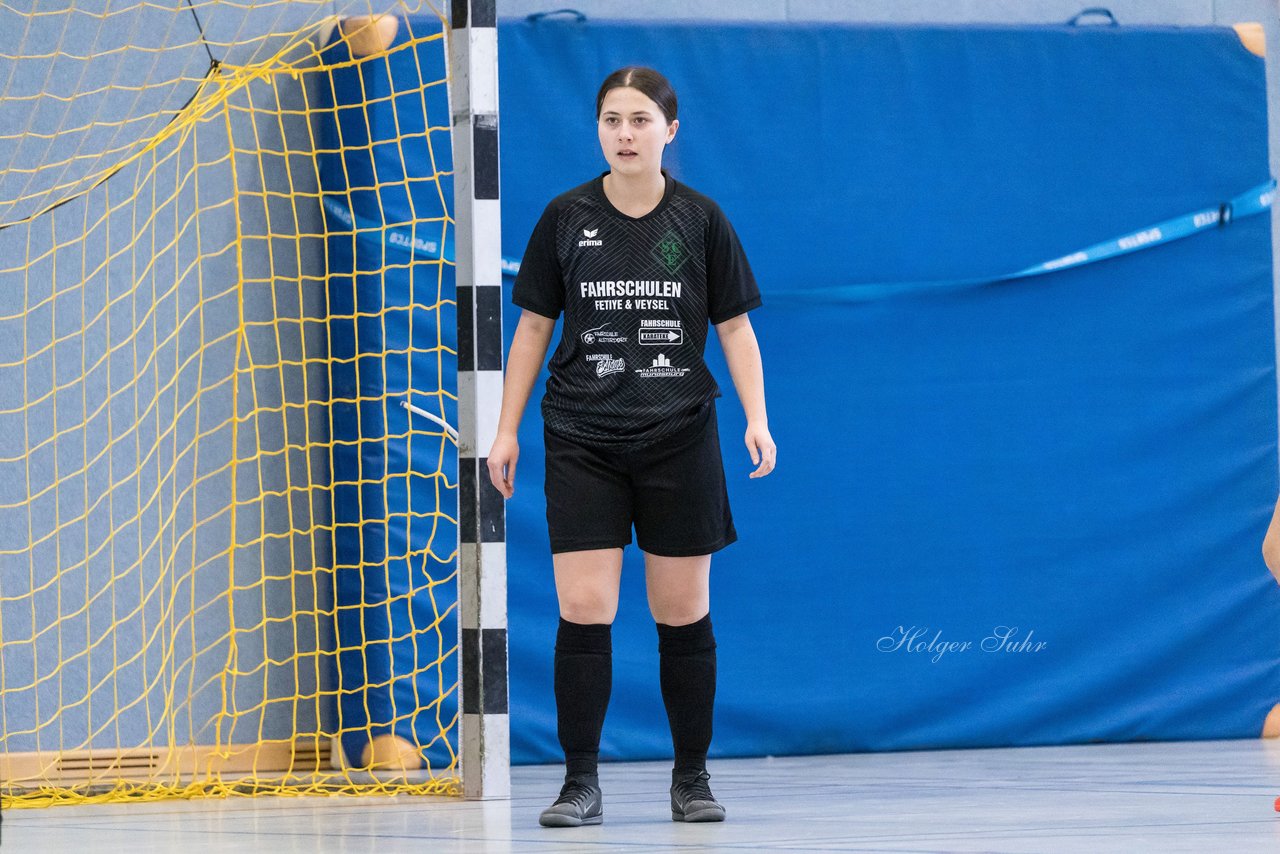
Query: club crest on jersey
{"type": "Point", "coordinates": [603, 335]}
{"type": "Point", "coordinates": [606, 364]}
{"type": "Point", "coordinates": [662, 367]}
{"type": "Point", "coordinates": [671, 251]}
{"type": "Point", "coordinates": [589, 238]}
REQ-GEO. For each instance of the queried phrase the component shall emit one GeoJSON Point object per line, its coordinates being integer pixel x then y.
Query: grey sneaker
{"type": "Point", "coordinates": [691, 798]}
{"type": "Point", "coordinates": [580, 803]}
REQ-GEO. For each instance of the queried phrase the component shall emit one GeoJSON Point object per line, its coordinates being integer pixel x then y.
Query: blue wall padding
{"type": "Point", "coordinates": [394, 474]}
{"type": "Point", "coordinates": [1089, 456]}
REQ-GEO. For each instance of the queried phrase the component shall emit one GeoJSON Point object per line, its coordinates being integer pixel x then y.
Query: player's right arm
{"type": "Point", "coordinates": [528, 350]}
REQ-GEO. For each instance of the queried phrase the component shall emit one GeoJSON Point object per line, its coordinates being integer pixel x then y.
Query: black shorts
{"type": "Point", "coordinates": [673, 491]}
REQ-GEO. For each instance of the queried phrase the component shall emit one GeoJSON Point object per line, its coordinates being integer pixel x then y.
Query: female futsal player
{"type": "Point", "coordinates": [639, 264]}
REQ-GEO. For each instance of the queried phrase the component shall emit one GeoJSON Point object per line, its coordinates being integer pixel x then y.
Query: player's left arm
{"type": "Point", "coordinates": [742, 353]}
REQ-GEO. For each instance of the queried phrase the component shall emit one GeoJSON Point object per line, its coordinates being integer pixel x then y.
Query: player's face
{"type": "Point", "coordinates": [633, 132]}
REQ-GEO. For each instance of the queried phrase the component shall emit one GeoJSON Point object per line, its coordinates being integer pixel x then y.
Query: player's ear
{"type": "Point", "coordinates": [671, 130]}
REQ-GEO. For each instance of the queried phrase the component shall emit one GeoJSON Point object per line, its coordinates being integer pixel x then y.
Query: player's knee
{"type": "Point", "coordinates": [680, 613]}
{"type": "Point", "coordinates": [588, 609]}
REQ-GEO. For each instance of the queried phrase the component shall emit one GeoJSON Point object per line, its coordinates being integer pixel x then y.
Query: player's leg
{"type": "Point", "coordinates": [678, 588]}
{"type": "Point", "coordinates": [679, 599]}
{"type": "Point", "coordinates": [587, 587]}
{"type": "Point", "coordinates": [682, 516]}
{"type": "Point", "coordinates": [587, 584]}
{"type": "Point", "coordinates": [589, 521]}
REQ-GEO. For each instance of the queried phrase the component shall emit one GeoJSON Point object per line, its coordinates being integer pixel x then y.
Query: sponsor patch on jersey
{"type": "Point", "coordinates": [660, 333]}
{"type": "Point", "coordinates": [662, 367]}
{"type": "Point", "coordinates": [603, 335]}
{"type": "Point", "coordinates": [606, 364]}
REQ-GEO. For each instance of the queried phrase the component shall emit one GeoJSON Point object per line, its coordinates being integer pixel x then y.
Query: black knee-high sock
{"type": "Point", "coordinates": [583, 680]}
{"type": "Point", "coordinates": [687, 661]}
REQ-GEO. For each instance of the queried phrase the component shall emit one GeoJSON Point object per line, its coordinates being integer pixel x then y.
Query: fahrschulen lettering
{"type": "Point", "coordinates": [631, 288]}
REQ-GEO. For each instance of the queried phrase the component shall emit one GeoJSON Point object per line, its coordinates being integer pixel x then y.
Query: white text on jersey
{"type": "Point", "coordinates": [631, 288]}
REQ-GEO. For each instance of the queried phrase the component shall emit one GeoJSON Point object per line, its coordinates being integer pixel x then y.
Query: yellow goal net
{"type": "Point", "coordinates": [228, 481]}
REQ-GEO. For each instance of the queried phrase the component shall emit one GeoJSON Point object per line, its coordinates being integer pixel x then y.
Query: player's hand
{"type": "Point", "coordinates": [764, 454]}
{"type": "Point", "coordinates": [502, 464]}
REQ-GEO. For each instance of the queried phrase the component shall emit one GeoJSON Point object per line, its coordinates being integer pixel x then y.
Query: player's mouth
{"type": "Point", "coordinates": [627, 154]}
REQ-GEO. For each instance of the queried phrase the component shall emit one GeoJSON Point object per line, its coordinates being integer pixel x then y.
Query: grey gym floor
{"type": "Point", "coordinates": [1215, 796]}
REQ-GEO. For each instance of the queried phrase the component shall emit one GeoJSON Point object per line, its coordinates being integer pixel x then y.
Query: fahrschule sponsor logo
{"type": "Point", "coordinates": [606, 364]}
{"type": "Point", "coordinates": [603, 335]}
{"type": "Point", "coordinates": [660, 333]}
{"type": "Point", "coordinates": [589, 238]}
{"type": "Point", "coordinates": [662, 367]}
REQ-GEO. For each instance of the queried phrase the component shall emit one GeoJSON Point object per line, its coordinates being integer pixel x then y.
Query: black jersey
{"type": "Point", "coordinates": [636, 293]}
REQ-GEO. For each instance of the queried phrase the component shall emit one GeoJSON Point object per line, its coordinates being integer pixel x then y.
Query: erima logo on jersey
{"type": "Point", "coordinates": [603, 335]}
{"type": "Point", "coordinates": [662, 367]}
{"type": "Point", "coordinates": [589, 238]}
{"type": "Point", "coordinates": [606, 364]}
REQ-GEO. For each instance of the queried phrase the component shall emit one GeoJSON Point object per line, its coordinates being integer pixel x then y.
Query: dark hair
{"type": "Point", "coordinates": [652, 84]}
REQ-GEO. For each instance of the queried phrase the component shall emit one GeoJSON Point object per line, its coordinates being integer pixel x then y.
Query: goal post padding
{"type": "Point", "coordinates": [385, 174]}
